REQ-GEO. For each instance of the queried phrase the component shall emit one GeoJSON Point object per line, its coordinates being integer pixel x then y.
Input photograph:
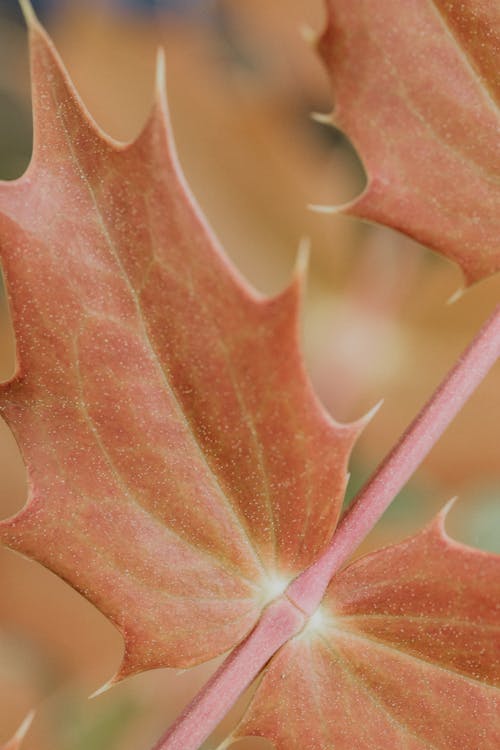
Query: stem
{"type": "Point", "coordinates": [308, 589]}
{"type": "Point", "coordinates": [279, 622]}
{"type": "Point", "coordinates": [286, 616]}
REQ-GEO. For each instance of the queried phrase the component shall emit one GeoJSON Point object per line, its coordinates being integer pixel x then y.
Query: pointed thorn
{"type": "Point", "coordinates": [103, 689]}
{"type": "Point", "coordinates": [23, 729]}
{"type": "Point", "coordinates": [322, 209]}
{"type": "Point", "coordinates": [28, 13]}
{"type": "Point", "coordinates": [455, 296]}
{"type": "Point", "coordinates": [303, 255]}
{"type": "Point", "coordinates": [438, 523]}
{"type": "Point", "coordinates": [324, 118]}
{"type": "Point", "coordinates": [443, 513]}
{"type": "Point", "coordinates": [371, 413]}
{"type": "Point", "coordinates": [308, 34]}
{"type": "Point", "coordinates": [161, 78]}
{"type": "Point", "coordinates": [360, 424]}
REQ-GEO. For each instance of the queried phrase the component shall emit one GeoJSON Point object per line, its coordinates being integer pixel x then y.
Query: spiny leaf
{"type": "Point", "coordinates": [417, 91]}
{"type": "Point", "coordinates": [404, 652]}
{"type": "Point", "coordinates": [181, 470]}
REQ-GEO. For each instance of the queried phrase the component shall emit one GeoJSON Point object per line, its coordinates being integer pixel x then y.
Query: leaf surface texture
{"type": "Point", "coordinates": [403, 653]}
{"type": "Point", "coordinates": [180, 467]}
{"type": "Point", "coordinates": [417, 90]}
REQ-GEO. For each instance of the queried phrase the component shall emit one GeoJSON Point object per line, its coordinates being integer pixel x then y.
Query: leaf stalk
{"type": "Point", "coordinates": [280, 621]}
{"type": "Point", "coordinates": [307, 590]}
{"type": "Point", "coordinates": [286, 616]}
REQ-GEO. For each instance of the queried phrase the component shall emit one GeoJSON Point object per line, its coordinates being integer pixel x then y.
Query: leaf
{"type": "Point", "coordinates": [417, 91]}
{"type": "Point", "coordinates": [181, 470]}
{"type": "Point", "coordinates": [404, 652]}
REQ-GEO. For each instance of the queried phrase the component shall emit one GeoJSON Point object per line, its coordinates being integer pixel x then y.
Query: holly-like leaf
{"type": "Point", "coordinates": [404, 652]}
{"type": "Point", "coordinates": [417, 91]}
{"type": "Point", "coordinates": [180, 468]}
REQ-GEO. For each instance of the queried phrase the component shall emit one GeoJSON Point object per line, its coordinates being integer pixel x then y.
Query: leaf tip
{"type": "Point", "coordinates": [446, 508]}
{"type": "Point", "coordinates": [323, 118]}
{"type": "Point", "coordinates": [320, 209]}
{"type": "Point", "coordinates": [371, 413]}
{"type": "Point", "coordinates": [309, 35]}
{"type": "Point", "coordinates": [458, 294]}
{"type": "Point", "coordinates": [365, 420]}
{"type": "Point", "coordinates": [161, 79]}
{"type": "Point", "coordinates": [29, 14]}
{"type": "Point", "coordinates": [15, 742]}
{"type": "Point", "coordinates": [302, 260]}
{"type": "Point", "coordinates": [104, 688]}
{"type": "Point", "coordinates": [438, 523]}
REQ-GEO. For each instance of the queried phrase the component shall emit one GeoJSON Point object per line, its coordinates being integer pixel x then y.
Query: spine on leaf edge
{"type": "Point", "coordinates": [304, 594]}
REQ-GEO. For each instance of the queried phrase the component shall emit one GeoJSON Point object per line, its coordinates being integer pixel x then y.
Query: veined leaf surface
{"type": "Point", "coordinates": [417, 90]}
{"type": "Point", "coordinates": [403, 653]}
{"type": "Point", "coordinates": [181, 470]}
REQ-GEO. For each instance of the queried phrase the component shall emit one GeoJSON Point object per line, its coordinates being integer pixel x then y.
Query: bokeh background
{"type": "Point", "coordinates": [242, 83]}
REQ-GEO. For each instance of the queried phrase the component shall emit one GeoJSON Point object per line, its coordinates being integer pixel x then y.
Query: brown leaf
{"type": "Point", "coordinates": [417, 91]}
{"type": "Point", "coordinates": [181, 470]}
{"type": "Point", "coordinates": [404, 652]}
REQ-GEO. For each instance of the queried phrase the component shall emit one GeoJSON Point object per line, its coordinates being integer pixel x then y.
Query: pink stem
{"type": "Point", "coordinates": [286, 616]}
{"type": "Point", "coordinates": [279, 622]}
{"type": "Point", "coordinates": [308, 589]}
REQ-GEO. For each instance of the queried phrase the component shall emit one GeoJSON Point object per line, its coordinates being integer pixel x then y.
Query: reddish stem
{"type": "Point", "coordinates": [279, 622]}
{"type": "Point", "coordinates": [286, 616]}
{"type": "Point", "coordinates": [308, 589]}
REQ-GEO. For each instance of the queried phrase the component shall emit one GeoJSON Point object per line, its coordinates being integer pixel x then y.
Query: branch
{"type": "Point", "coordinates": [279, 622]}
{"type": "Point", "coordinates": [308, 589]}
{"type": "Point", "coordinates": [286, 616]}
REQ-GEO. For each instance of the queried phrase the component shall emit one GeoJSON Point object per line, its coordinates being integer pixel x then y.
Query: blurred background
{"type": "Point", "coordinates": [242, 83]}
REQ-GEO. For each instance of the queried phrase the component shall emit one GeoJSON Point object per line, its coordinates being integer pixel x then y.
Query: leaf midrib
{"type": "Point", "coordinates": [147, 338]}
